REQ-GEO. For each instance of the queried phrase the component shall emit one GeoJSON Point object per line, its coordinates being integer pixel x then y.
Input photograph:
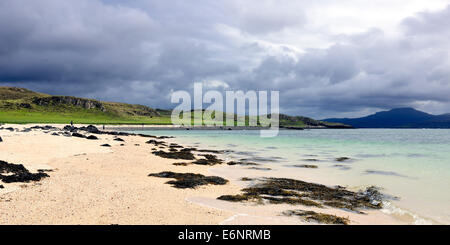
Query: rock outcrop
{"type": "Point", "coordinates": [69, 100]}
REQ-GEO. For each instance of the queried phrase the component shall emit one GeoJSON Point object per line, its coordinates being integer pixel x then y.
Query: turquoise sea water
{"type": "Point", "coordinates": [411, 164]}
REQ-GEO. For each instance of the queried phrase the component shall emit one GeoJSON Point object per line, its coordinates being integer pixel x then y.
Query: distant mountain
{"type": "Point", "coordinates": [397, 118]}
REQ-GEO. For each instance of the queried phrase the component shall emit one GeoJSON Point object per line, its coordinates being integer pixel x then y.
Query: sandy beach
{"type": "Point", "coordinates": [92, 184]}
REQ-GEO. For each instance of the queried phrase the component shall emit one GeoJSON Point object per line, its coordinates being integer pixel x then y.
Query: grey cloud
{"type": "Point", "coordinates": [139, 51]}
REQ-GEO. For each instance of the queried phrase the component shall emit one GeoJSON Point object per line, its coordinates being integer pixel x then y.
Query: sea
{"type": "Point", "coordinates": [410, 166]}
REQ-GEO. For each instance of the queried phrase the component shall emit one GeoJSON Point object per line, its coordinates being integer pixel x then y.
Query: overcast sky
{"type": "Point", "coordinates": [327, 58]}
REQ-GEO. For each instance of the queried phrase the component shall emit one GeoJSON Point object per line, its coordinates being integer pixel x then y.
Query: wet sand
{"type": "Point", "coordinates": [93, 184]}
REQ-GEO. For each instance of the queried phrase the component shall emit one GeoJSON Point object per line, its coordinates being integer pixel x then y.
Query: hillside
{"type": "Point", "coordinates": [19, 105]}
{"type": "Point", "coordinates": [397, 118]}
{"type": "Point", "coordinates": [306, 122]}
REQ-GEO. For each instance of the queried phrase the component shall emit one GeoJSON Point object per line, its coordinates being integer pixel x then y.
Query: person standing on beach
{"type": "Point", "coordinates": [71, 123]}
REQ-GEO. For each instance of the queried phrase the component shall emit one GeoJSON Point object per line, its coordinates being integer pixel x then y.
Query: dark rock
{"type": "Point", "coordinates": [1, 187]}
{"type": "Point", "coordinates": [190, 180]}
{"type": "Point", "coordinates": [92, 137]}
{"type": "Point", "coordinates": [1, 140]}
{"type": "Point", "coordinates": [106, 145]}
{"type": "Point", "coordinates": [91, 129]}
{"type": "Point", "coordinates": [46, 127]}
{"type": "Point", "coordinates": [56, 134]}
{"type": "Point", "coordinates": [119, 139]}
{"type": "Point", "coordinates": [70, 128]}
{"type": "Point", "coordinates": [25, 105]}
{"type": "Point", "coordinates": [69, 100]}
{"type": "Point", "coordinates": [78, 135]}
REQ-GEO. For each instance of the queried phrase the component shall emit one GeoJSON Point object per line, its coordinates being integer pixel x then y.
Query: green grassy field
{"type": "Point", "coordinates": [19, 105]}
{"type": "Point", "coordinates": [83, 117]}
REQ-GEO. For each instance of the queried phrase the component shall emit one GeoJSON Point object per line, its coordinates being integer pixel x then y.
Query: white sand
{"type": "Point", "coordinates": [92, 184]}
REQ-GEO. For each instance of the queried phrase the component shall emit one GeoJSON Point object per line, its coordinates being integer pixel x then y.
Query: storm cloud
{"type": "Point", "coordinates": [324, 60]}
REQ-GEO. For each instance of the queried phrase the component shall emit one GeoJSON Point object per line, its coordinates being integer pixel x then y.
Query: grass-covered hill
{"type": "Point", "coordinates": [19, 105]}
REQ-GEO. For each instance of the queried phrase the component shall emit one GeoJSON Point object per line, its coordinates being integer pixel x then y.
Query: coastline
{"type": "Point", "coordinates": [91, 184]}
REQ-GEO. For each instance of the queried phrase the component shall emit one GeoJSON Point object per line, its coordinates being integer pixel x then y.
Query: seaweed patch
{"type": "Point", "coordinates": [189, 180]}
{"type": "Point", "coordinates": [208, 160]}
{"type": "Point", "coordinates": [290, 191]}
{"type": "Point", "coordinates": [259, 168]}
{"type": "Point", "coordinates": [305, 166]}
{"type": "Point", "coordinates": [10, 173]}
{"type": "Point", "coordinates": [318, 217]}
{"type": "Point", "coordinates": [387, 173]}
{"type": "Point", "coordinates": [241, 163]}
{"type": "Point", "coordinates": [342, 159]}
{"type": "Point", "coordinates": [182, 154]}
{"type": "Point", "coordinates": [155, 142]}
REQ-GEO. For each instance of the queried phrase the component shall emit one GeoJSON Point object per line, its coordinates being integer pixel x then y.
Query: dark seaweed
{"type": "Point", "coordinates": [258, 168]}
{"type": "Point", "coordinates": [378, 172]}
{"type": "Point", "coordinates": [311, 160]}
{"type": "Point", "coordinates": [281, 190]}
{"type": "Point", "coordinates": [246, 179]}
{"type": "Point", "coordinates": [210, 151]}
{"type": "Point", "coordinates": [242, 163]}
{"type": "Point", "coordinates": [305, 166]}
{"type": "Point", "coordinates": [318, 217]}
{"type": "Point", "coordinates": [342, 159]}
{"type": "Point", "coordinates": [173, 145]}
{"type": "Point", "coordinates": [185, 155]}
{"type": "Point", "coordinates": [155, 142]}
{"type": "Point", "coordinates": [189, 180]}
{"type": "Point", "coordinates": [208, 160]}
{"type": "Point", "coordinates": [18, 173]}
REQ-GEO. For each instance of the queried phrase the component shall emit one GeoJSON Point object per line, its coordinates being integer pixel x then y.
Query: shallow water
{"type": "Point", "coordinates": [411, 164]}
